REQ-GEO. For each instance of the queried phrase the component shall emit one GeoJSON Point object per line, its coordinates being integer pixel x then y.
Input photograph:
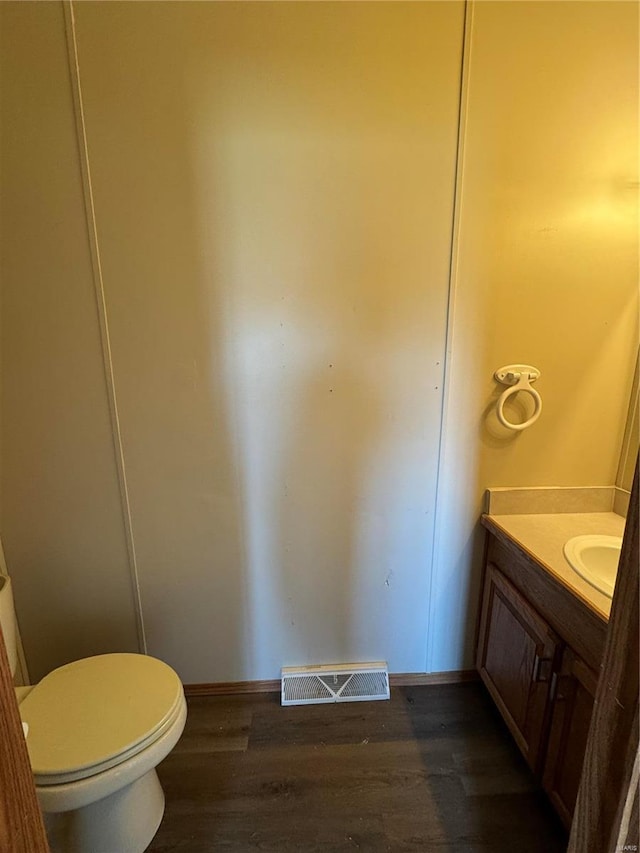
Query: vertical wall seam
{"type": "Point", "coordinates": [628, 452]}
{"type": "Point", "coordinates": [92, 233]}
{"type": "Point", "coordinates": [445, 411]}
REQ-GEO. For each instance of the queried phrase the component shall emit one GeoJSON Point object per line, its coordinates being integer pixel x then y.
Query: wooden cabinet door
{"type": "Point", "coordinates": [517, 654]}
{"type": "Point", "coordinates": [570, 719]}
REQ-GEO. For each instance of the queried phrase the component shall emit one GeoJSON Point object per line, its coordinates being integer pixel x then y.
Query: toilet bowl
{"type": "Point", "coordinates": [97, 729]}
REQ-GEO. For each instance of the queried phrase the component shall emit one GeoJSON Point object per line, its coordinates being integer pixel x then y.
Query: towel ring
{"type": "Point", "coordinates": [519, 377]}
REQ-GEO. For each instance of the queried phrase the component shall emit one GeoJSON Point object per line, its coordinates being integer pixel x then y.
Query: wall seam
{"type": "Point", "coordinates": [101, 306]}
{"type": "Point", "coordinates": [627, 451]}
{"type": "Point", "coordinates": [436, 557]}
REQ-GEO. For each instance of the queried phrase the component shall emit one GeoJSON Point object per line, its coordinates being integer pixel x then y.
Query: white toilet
{"type": "Point", "coordinates": [97, 729]}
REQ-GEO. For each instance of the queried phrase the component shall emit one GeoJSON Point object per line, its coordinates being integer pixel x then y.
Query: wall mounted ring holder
{"type": "Point", "coordinates": [519, 378]}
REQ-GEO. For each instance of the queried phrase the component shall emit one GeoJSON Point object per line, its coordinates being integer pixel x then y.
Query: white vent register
{"type": "Point", "coordinates": [349, 682]}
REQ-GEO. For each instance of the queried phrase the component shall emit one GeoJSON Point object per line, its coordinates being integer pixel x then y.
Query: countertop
{"type": "Point", "coordinates": [543, 537]}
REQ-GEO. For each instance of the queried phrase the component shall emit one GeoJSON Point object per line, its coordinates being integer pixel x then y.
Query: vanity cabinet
{"type": "Point", "coordinates": [516, 658]}
{"type": "Point", "coordinates": [538, 653]}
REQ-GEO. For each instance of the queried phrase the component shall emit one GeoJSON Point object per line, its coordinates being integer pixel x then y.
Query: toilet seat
{"type": "Point", "coordinates": [95, 713]}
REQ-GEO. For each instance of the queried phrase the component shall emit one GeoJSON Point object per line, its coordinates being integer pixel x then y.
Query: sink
{"type": "Point", "coordinates": [595, 558]}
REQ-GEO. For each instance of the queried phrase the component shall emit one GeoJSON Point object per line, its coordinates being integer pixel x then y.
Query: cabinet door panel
{"type": "Point", "coordinates": [516, 656]}
{"type": "Point", "coordinates": [570, 719]}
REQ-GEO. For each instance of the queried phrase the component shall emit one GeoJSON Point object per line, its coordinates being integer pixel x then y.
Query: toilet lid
{"type": "Point", "coordinates": [92, 710]}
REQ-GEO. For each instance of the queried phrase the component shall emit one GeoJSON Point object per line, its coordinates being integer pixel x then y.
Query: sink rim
{"type": "Point", "coordinates": [573, 550]}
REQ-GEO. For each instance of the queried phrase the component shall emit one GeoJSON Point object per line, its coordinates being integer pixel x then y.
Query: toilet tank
{"type": "Point", "coordinates": [8, 622]}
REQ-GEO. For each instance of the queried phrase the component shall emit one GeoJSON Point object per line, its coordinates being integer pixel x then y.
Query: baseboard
{"type": "Point", "coordinates": [418, 679]}
{"type": "Point", "coordinates": [230, 688]}
{"type": "Point", "coordinates": [400, 679]}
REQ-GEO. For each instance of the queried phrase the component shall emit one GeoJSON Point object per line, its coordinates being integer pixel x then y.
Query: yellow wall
{"type": "Point", "coordinates": [546, 268]}
{"type": "Point", "coordinates": [549, 229]}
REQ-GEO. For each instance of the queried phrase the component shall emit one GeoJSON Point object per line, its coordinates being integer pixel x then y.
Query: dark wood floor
{"type": "Point", "coordinates": [431, 770]}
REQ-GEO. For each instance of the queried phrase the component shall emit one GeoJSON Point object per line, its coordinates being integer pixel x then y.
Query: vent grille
{"type": "Point", "coordinates": [314, 685]}
{"type": "Point", "coordinates": [304, 688]}
{"type": "Point", "coordinates": [374, 684]}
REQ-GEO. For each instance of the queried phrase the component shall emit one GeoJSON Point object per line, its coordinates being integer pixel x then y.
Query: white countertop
{"type": "Point", "coordinates": [543, 536]}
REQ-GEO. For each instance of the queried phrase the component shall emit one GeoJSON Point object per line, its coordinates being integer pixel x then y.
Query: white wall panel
{"type": "Point", "coordinates": [61, 520]}
{"type": "Point", "coordinates": [274, 189]}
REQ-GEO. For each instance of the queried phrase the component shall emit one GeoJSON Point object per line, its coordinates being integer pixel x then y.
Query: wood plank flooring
{"type": "Point", "coordinates": [433, 769]}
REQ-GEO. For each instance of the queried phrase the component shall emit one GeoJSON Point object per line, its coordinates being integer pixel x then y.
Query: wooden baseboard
{"type": "Point", "coordinates": [400, 679]}
{"type": "Point", "coordinates": [230, 688]}
{"type": "Point", "coordinates": [418, 679]}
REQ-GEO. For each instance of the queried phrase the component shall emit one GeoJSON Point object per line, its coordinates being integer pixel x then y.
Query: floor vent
{"type": "Point", "coordinates": [350, 682]}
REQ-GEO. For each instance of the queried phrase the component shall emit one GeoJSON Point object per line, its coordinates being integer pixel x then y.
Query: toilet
{"type": "Point", "coordinates": [96, 730]}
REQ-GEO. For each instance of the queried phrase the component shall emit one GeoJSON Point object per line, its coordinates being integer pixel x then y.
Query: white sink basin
{"type": "Point", "coordinates": [595, 558]}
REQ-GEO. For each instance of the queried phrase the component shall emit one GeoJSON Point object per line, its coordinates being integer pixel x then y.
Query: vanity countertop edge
{"type": "Point", "coordinates": [542, 537]}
